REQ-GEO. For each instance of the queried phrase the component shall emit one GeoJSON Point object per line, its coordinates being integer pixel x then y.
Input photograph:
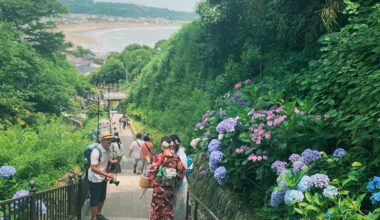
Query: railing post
{"type": "Point", "coordinates": [32, 192]}
{"type": "Point", "coordinates": [70, 189]}
{"type": "Point", "coordinates": [195, 213]}
{"type": "Point", "coordinates": [79, 197]}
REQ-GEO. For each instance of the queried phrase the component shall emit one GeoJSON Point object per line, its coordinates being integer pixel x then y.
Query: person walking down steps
{"type": "Point", "coordinates": [98, 176]}
{"type": "Point", "coordinates": [135, 153]}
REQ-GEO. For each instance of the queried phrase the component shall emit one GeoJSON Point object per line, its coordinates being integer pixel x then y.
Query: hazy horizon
{"type": "Point", "coordinates": [177, 5]}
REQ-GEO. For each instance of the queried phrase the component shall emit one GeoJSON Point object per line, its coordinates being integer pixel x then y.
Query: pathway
{"type": "Point", "coordinates": [123, 202]}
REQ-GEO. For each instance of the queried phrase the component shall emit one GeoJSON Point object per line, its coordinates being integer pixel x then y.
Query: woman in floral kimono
{"type": "Point", "coordinates": [165, 172]}
{"type": "Point", "coordinates": [181, 190]}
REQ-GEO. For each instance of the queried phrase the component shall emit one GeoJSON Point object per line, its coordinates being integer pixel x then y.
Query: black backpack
{"type": "Point", "coordinates": [87, 157]}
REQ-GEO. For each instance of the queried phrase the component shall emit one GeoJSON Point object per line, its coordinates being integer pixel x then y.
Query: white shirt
{"type": "Point", "coordinates": [102, 165]}
{"type": "Point", "coordinates": [136, 149]}
{"type": "Point", "coordinates": [116, 151]}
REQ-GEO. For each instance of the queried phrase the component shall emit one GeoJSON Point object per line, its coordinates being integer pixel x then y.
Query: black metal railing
{"type": "Point", "coordinates": [62, 203]}
{"type": "Point", "coordinates": [197, 210]}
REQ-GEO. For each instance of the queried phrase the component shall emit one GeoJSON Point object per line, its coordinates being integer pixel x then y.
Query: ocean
{"type": "Point", "coordinates": [105, 41]}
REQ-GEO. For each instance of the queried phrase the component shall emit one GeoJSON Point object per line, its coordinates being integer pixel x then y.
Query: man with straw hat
{"type": "Point", "coordinates": [97, 175]}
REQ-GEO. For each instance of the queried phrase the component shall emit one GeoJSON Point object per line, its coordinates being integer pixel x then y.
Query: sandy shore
{"type": "Point", "coordinates": [80, 33]}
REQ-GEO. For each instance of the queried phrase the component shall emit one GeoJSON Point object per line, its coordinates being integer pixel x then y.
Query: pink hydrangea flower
{"type": "Point", "coordinates": [238, 85]}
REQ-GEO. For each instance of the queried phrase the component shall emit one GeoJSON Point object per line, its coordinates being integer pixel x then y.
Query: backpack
{"type": "Point", "coordinates": [189, 165]}
{"type": "Point", "coordinates": [87, 156]}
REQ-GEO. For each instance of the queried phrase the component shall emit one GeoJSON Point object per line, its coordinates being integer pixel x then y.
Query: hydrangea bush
{"type": "Point", "coordinates": [310, 193]}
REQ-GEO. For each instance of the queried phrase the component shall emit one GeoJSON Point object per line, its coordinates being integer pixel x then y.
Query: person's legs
{"type": "Point", "coordinates": [135, 161]}
{"type": "Point", "coordinates": [94, 198]}
{"type": "Point", "coordinates": [102, 198]}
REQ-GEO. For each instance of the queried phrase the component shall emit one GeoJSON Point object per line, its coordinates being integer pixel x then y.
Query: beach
{"type": "Point", "coordinates": [106, 36]}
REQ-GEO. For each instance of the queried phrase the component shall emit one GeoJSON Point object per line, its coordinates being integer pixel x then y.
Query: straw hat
{"type": "Point", "coordinates": [106, 135]}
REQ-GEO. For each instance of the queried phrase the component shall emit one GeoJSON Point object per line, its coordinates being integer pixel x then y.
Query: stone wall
{"type": "Point", "coordinates": [223, 203]}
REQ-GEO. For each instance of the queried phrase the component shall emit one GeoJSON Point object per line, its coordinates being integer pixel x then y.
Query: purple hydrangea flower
{"type": "Point", "coordinates": [297, 166]}
{"type": "Point", "coordinates": [309, 156]}
{"type": "Point", "coordinates": [330, 191]}
{"type": "Point", "coordinates": [7, 171]}
{"type": "Point", "coordinates": [227, 125]}
{"type": "Point", "coordinates": [220, 174]}
{"type": "Point", "coordinates": [282, 184]}
{"type": "Point", "coordinates": [375, 198]}
{"type": "Point", "coordinates": [207, 133]}
{"type": "Point", "coordinates": [216, 156]}
{"type": "Point", "coordinates": [304, 184]}
{"type": "Point", "coordinates": [205, 116]}
{"type": "Point", "coordinates": [293, 196]}
{"type": "Point", "coordinates": [319, 180]}
{"type": "Point", "coordinates": [279, 166]}
{"type": "Point", "coordinates": [213, 145]}
{"type": "Point", "coordinates": [222, 113]}
{"type": "Point", "coordinates": [204, 173]}
{"type": "Point", "coordinates": [339, 152]}
{"type": "Point", "coordinates": [374, 184]}
{"type": "Point", "coordinates": [294, 157]}
{"type": "Point", "coordinates": [277, 197]}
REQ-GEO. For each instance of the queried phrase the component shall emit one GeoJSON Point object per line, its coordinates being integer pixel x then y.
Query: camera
{"type": "Point", "coordinates": [113, 181]}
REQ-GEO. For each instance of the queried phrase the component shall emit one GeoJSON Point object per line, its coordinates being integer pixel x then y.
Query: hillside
{"type": "Point", "coordinates": [124, 10]}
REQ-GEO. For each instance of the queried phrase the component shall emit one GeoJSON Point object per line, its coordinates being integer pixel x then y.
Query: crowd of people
{"type": "Point", "coordinates": [166, 170]}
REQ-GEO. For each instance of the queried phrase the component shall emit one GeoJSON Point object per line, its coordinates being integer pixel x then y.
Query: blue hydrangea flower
{"type": "Point", "coordinates": [279, 166]}
{"type": "Point", "coordinates": [339, 152]}
{"type": "Point", "coordinates": [319, 180]}
{"type": "Point", "coordinates": [375, 198]}
{"type": "Point", "coordinates": [227, 125]}
{"type": "Point", "coordinates": [216, 156]}
{"type": "Point", "coordinates": [327, 214]}
{"type": "Point", "coordinates": [293, 196]}
{"type": "Point", "coordinates": [294, 157]}
{"type": "Point", "coordinates": [213, 145]}
{"type": "Point", "coordinates": [277, 197]}
{"type": "Point", "coordinates": [212, 166]}
{"type": "Point", "coordinates": [304, 184]}
{"type": "Point", "coordinates": [309, 156]}
{"type": "Point", "coordinates": [330, 191]}
{"type": "Point", "coordinates": [41, 207]}
{"type": "Point", "coordinates": [7, 171]}
{"type": "Point", "coordinates": [220, 174]}
{"type": "Point", "coordinates": [374, 184]}
{"type": "Point", "coordinates": [19, 194]}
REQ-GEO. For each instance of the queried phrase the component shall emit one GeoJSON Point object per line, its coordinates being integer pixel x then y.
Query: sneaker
{"type": "Point", "coordinates": [101, 217]}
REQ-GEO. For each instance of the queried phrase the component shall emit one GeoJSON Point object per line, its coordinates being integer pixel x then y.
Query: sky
{"type": "Point", "coordinates": [178, 5]}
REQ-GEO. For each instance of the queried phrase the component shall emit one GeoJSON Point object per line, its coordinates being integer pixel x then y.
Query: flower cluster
{"type": "Point", "coordinates": [7, 171]}
{"type": "Point", "coordinates": [213, 145]}
{"type": "Point", "coordinates": [236, 98]}
{"type": "Point", "coordinates": [227, 125]}
{"type": "Point", "coordinates": [293, 196]}
{"type": "Point", "coordinates": [330, 191]}
{"type": "Point", "coordinates": [253, 157]}
{"type": "Point", "coordinates": [374, 187]}
{"type": "Point", "coordinates": [19, 194]}
{"type": "Point", "coordinates": [241, 149]}
{"type": "Point", "coordinates": [194, 143]}
{"type": "Point", "coordinates": [277, 197]}
{"type": "Point", "coordinates": [309, 156]}
{"type": "Point", "coordinates": [339, 152]}
{"type": "Point", "coordinates": [239, 84]}
{"type": "Point", "coordinates": [270, 118]}
{"type": "Point", "coordinates": [279, 166]}
{"type": "Point", "coordinates": [296, 183]}
{"type": "Point", "coordinates": [220, 174]}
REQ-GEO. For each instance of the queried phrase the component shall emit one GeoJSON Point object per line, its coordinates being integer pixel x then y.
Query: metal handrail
{"type": "Point", "coordinates": [63, 202]}
{"type": "Point", "coordinates": [197, 203]}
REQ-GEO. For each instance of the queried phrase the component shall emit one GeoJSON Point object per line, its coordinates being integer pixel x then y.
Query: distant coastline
{"type": "Point", "coordinates": [98, 33]}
